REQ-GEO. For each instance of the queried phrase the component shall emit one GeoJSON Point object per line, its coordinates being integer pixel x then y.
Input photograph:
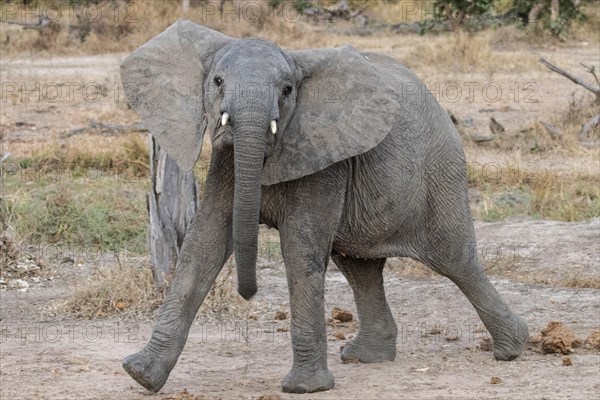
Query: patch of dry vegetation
{"type": "Point", "coordinates": [223, 300]}
{"type": "Point", "coordinates": [124, 289]}
{"type": "Point", "coordinates": [466, 52]}
{"type": "Point", "coordinates": [519, 270]}
{"type": "Point", "coordinates": [127, 289]}
{"type": "Point", "coordinates": [526, 189]}
{"type": "Point", "coordinates": [556, 133]}
{"type": "Point", "coordinates": [123, 27]}
{"type": "Point", "coordinates": [407, 267]}
{"type": "Point", "coordinates": [124, 154]}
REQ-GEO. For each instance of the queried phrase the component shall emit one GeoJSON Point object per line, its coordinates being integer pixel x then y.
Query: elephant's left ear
{"type": "Point", "coordinates": [347, 103]}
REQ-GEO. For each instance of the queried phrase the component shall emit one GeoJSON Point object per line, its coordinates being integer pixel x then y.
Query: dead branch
{"type": "Point", "coordinates": [106, 129]}
{"type": "Point", "coordinates": [356, 13]}
{"type": "Point", "coordinates": [592, 70]}
{"type": "Point", "coordinates": [573, 78]}
{"type": "Point", "coordinates": [552, 130]}
{"type": "Point", "coordinates": [37, 25]}
{"type": "Point", "coordinates": [588, 126]}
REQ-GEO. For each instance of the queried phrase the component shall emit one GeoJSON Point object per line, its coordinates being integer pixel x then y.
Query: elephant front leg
{"type": "Point", "coordinates": [206, 247]}
{"type": "Point", "coordinates": [305, 269]}
{"type": "Point", "coordinates": [196, 271]}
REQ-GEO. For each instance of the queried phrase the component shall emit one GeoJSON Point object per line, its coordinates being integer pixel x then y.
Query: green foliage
{"type": "Point", "coordinates": [462, 8]}
{"type": "Point", "coordinates": [478, 14]}
{"type": "Point", "coordinates": [299, 5]}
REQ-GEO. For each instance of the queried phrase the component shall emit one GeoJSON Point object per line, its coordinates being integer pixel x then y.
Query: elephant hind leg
{"type": "Point", "coordinates": [509, 331]}
{"type": "Point", "coordinates": [376, 339]}
{"type": "Point", "coordinates": [453, 254]}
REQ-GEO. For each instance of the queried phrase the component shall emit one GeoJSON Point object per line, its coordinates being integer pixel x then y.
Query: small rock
{"type": "Point", "coordinates": [495, 380]}
{"type": "Point", "coordinates": [567, 361]}
{"type": "Point", "coordinates": [339, 335]}
{"type": "Point", "coordinates": [496, 127]}
{"type": "Point", "coordinates": [594, 339]}
{"type": "Point", "coordinates": [480, 138]}
{"type": "Point", "coordinates": [424, 369]}
{"type": "Point", "coordinates": [341, 315]}
{"type": "Point", "coordinates": [280, 315]}
{"type": "Point", "coordinates": [351, 360]}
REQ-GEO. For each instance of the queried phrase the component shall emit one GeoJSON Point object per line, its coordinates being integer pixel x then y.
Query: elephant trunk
{"type": "Point", "coordinates": [249, 145]}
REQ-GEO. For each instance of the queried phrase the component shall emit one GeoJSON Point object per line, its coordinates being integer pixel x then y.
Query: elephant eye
{"type": "Point", "coordinates": [287, 90]}
{"type": "Point", "coordinates": [218, 81]}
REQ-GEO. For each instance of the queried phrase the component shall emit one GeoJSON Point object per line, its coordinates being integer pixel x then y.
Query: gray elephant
{"type": "Point", "coordinates": [344, 152]}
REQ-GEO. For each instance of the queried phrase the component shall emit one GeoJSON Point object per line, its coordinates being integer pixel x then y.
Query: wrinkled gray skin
{"type": "Point", "coordinates": [363, 167]}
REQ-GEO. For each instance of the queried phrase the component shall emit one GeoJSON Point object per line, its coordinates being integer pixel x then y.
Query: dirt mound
{"type": "Point", "coordinates": [594, 339]}
{"type": "Point", "coordinates": [557, 338]}
{"type": "Point", "coordinates": [341, 314]}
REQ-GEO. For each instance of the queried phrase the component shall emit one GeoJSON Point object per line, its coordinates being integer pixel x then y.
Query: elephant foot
{"type": "Point", "coordinates": [372, 351]}
{"type": "Point", "coordinates": [307, 381]}
{"type": "Point", "coordinates": [147, 370]}
{"type": "Point", "coordinates": [510, 344]}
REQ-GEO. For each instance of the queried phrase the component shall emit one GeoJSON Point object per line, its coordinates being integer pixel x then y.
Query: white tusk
{"type": "Point", "coordinates": [224, 119]}
{"type": "Point", "coordinates": [273, 127]}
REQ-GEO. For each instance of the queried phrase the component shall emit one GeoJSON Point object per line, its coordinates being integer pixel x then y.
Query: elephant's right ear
{"type": "Point", "coordinates": [163, 81]}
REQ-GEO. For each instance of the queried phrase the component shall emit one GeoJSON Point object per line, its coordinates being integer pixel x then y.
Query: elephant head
{"type": "Point", "coordinates": [284, 114]}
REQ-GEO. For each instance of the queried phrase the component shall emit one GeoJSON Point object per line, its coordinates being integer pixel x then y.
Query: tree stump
{"type": "Point", "coordinates": [172, 203]}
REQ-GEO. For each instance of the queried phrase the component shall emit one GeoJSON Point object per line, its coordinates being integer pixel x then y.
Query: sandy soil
{"type": "Point", "coordinates": [51, 358]}
{"type": "Point", "coordinates": [45, 357]}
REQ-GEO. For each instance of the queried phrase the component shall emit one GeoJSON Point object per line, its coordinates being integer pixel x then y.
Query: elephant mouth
{"type": "Point", "coordinates": [222, 134]}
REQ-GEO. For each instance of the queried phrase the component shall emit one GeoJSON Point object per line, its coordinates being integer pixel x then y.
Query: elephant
{"type": "Point", "coordinates": [344, 152]}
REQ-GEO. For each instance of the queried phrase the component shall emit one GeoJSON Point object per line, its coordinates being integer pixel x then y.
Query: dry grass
{"type": "Point", "coordinates": [466, 52]}
{"type": "Point", "coordinates": [503, 267]}
{"type": "Point", "coordinates": [127, 289]}
{"type": "Point", "coordinates": [398, 11]}
{"type": "Point", "coordinates": [223, 300]}
{"type": "Point", "coordinates": [124, 153]}
{"type": "Point", "coordinates": [124, 289]}
{"type": "Point", "coordinates": [526, 189]}
{"type": "Point", "coordinates": [513, 268]}
{"type": "Point", "coordinates": [149, 18]}
{"type": "Point", "coordinates": [406, 267]}
{"type": "Point", "coordinates": [583, 282]}
{"type": "Point", "coordinates": [520, 271]}
{"type": "Point", "coordinates": [566, 197]}
{"type": "Point", "coordinates": [589, 30]}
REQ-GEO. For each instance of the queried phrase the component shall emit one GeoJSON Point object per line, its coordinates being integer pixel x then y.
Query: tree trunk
{"type": "Point", "coordinates": [185, 7]}
{"type": "Point", "coordinates": [172, 204]}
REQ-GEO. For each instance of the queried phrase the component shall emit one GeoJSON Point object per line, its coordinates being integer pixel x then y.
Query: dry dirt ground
{"type": "Point", "coordinates": [49, 357]}
{"type": "Point", "coordinates": [439, 341]}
